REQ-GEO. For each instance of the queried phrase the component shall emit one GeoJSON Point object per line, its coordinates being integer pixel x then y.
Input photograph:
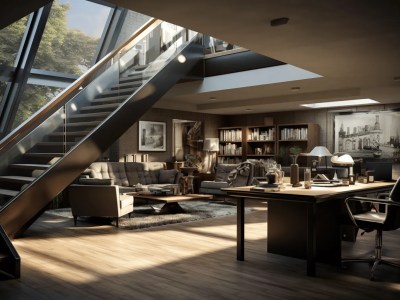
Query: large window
{"type": "Point", "coordinates": [33, 98]}
{"type": "Point", "coordinates": [71, 36]}
{"type": "Point", "coordinates": [10, 42]}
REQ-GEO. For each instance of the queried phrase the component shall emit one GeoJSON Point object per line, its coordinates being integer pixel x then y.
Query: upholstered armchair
{"type": "Point", "coordinates": [228, 175]}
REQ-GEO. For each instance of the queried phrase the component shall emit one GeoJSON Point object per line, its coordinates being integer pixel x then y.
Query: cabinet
{"type": "Point", "coordinates": [230, 145]}
{"type": "Point", "coordinates": [260, 142]}
{"type": "Point", "coordinates": [295, 139]}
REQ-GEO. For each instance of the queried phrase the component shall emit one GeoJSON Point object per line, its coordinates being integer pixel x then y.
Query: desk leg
{"type": "Point", "coordinates": [311, 239]}
{"type": "Point", "coordinates": [240, 229]}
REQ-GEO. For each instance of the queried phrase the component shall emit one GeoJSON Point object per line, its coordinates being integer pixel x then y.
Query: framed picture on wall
{"type": "Point", "coordinates": [152, 136]}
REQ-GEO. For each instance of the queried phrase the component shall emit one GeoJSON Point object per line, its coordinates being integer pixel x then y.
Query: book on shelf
{"type": "Point", "coordinates": [294, 133]}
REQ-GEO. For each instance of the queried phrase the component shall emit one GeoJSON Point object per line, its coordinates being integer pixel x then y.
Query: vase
{"type": "Point", "coordinates": [294, 172]}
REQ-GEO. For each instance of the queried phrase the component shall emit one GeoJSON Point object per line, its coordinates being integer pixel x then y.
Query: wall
{"type": "Point", "coordinates": [323, 117]}
{"type": "Point", "coordinates": [128, 143]}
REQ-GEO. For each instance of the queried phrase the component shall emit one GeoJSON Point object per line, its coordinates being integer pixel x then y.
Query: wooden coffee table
{"type": "Point", "coordinates": [171, 205]}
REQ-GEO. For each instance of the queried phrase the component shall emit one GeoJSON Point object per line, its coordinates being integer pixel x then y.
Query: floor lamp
{"type": "Point", "coordinates": [210, 145]}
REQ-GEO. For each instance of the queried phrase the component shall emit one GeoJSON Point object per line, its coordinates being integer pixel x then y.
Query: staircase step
{"type": "Point", "coordinates": [111, 107]}
{"type": "Point", "coordinates": [56, 144]}
{"type": "Point", "coordinates": [114, 99]}
{"type": "Point", "coordinates": [122, 86]}
{"type": "Point", "coordinates": [17, 179]}
{"type": "Point", "coordinates": [43, 155]}
{"type": "Point", "coordinates": [125, 91]}
{"type": "Point", "coordinates": [30, 166]}
{"type": "Point", "coordinates": [138, 77]}
{"type": "Point", "coordinates": [10, 193]}
{"type": "Point", "coordinates": [81, 124]}
{"type": "Point", "coordinates": [89, 115]}
{"type": "Point", "coordinates": [70, 133]}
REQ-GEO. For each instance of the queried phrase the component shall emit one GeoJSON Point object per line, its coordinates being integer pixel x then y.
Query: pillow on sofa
{"type": "Point", "coordinates": [167, 176]}
{"type": "Point", "coordinates": [96, 181]}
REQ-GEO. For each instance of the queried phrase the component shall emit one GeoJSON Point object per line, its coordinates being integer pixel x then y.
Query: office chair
{"type": "Point", "coordinates": [376, 220]}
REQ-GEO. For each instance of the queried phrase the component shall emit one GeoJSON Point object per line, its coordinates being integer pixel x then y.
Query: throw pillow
{"type": "Point", "coordinates": [167, 176]}
{"type": "Point", "coordinates": [96, 181]}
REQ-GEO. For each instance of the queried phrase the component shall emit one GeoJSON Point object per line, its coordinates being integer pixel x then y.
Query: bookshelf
{"type": "Point", "coordinates": [300, 137]}
{"type": "Point", "coordinates": [230, 145]}
{"type": "Point", "coordinates": [260, 142]}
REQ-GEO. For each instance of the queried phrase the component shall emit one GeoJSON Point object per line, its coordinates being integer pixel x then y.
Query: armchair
{"type": "Point", "coordinates": [228, 175]}
{"type": "Point", "coordinates": [376, 220]}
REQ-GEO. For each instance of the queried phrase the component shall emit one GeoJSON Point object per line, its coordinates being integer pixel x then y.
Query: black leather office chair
{"type": "Point", "coordinates": [376, 220]}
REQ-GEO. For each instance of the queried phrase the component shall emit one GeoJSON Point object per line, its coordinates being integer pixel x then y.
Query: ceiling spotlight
{"type": "Point", "coordinates": [295, 88]}
{"type": "Point", "coordinates": [279, 21]}
{"type": "Point", "coordinates": [248, 109]}
{"type": "Point", "coordinates": [213, 98]}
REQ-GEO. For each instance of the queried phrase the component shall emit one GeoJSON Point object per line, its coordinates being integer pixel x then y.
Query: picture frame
{"type": "Point", "coordinates": [152, 136]}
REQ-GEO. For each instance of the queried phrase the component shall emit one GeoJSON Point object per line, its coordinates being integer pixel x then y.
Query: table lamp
{"type": "Point", "coordinates": [210, 145]}
{"type": "Point", "coordinates": [321, 151]}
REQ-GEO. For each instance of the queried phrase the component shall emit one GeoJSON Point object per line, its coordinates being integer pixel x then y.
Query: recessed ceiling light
{"type": "Point", "coordinates": [212, 98]}
{"type": "Point", "coordinates": [396, 78]}
{"type": "Point", "coordinates": [341, 103]}
{"type": "Point", "coordinates": [248, 109]}
{"type": "Point", "coordinates": [295, 88]}
{"type": "Point", "coordinates": [279, 21]}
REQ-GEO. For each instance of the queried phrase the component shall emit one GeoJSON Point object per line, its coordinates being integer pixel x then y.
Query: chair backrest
{"type": "Point", "coordinates": [392, 220]}
{"type": "Point", "coordinates": [242, 175]}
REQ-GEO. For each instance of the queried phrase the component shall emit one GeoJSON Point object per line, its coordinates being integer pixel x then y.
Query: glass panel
{"type": "Point", "coordinates": [71, 36]}
{"type": "Point", "coordinates": [33, 98]}
{"type": "Point", "coordinates": [213, 45]}
{"type": "Point", "coordinates": [10, 41]}
{"type": "Point", "coordinates": [2, 89]}
{"type": "Point", "coordinates": [132, 22]}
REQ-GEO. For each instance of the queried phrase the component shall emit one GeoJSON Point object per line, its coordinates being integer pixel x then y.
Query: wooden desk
{"type": "Point", "coordinates": [303, 223]}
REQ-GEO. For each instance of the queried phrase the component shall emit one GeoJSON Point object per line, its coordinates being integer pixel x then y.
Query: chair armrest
{"type": "Point", "coordinates": [369, 200]}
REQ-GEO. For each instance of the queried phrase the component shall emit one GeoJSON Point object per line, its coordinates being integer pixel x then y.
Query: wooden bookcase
{"type": "Point", "coordinates": [299, 137]}
{"type": "Point", "coordinates": [237, 144]}
{"type": "Point", "coordinates": [260, 142]}
{"type": "Point", "coordinates": [231, 150]}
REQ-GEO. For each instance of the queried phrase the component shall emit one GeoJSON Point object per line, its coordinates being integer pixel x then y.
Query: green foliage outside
{"type": "Point", "coordinates": [61, 49]}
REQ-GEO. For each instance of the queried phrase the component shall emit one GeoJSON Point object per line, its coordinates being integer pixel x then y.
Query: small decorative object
{"type": "Point", "coordinates": [271, 176]}
{"type": "Point", "coordinates": [345, 181]}
{"type": "Point", "coordinates": [294, 172]}
{"type": "Point", "coordinates": [370, 176]}
{"type": "Point", "coordinates": [307, 178]}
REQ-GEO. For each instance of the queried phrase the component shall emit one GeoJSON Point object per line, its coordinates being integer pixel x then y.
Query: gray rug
{"type": "Point", "coordinates": [148, 216]}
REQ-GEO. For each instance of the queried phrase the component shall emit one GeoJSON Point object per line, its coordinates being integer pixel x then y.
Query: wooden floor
{"type": "Point", "coordinates": [183, 261]}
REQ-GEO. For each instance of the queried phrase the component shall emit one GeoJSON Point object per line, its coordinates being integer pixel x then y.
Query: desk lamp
{"type": "Point", "coordinates": [210, 145]}
{"type": "Point", "coordinates": [321, 151]}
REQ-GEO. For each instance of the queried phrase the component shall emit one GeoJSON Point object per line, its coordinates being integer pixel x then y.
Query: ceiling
{"type": "Point", "coordinates": [354, 46]}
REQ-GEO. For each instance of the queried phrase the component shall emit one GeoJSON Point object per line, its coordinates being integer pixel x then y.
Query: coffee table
{"type": "Point", "coordinates": [171, 205]}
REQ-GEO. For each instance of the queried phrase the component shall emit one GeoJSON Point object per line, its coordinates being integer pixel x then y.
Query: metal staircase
{"type": "Point", "coordinates": [47, 152]}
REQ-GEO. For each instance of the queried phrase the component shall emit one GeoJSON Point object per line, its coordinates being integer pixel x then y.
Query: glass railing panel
{"type": "Point", "coordinates": [213, 45]}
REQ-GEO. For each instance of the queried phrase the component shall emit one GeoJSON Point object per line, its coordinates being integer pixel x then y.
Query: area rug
{"type": "Point", "coordinates": [148, 216]}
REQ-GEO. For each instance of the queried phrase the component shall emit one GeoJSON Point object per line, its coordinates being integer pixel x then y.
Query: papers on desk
{"type": "Point", "coordinates": [327, 184]}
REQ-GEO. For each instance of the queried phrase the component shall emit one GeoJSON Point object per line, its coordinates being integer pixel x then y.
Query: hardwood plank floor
{"type": "Point", "coordinates": [184, 261]}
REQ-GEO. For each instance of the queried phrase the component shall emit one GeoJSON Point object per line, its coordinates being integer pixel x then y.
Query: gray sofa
{"type": "Point", "coordinates": [228, 175]}
{"type": "Point", "coordinates": [101, 190]}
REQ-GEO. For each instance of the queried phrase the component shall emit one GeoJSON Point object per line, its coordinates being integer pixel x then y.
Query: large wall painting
{"type": "Point", "coordinates": [369, 135]}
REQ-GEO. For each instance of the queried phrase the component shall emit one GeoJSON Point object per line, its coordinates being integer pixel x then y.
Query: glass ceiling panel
{"type": "Point", "coordinates": [71, 36]}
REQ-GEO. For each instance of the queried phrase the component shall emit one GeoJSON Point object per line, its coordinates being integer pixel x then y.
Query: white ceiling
{"type": "Point", "coordinates": [353, 45]}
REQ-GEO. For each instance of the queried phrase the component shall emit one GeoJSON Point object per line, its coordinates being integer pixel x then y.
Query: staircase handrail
{"type": "Point", "coordinates": [61, 99]}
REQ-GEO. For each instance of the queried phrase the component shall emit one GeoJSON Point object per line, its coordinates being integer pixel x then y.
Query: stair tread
{"type": "Point", "coordinates": [17, 178]}
{"type": "Point", "coordinates": [8, 193]}
{"type": "Point", "coordinates": [89, 115]}
{"type": "Point", "coordinates": [43, 154]}
{"type": "Point", "coordinates": [111, 98]}
{"type": "Point", "coordinates": [84, 123]}
{"type": "Point", "coordinates": [31, 166]}
{"type": "Point", "coordinates": [101, 106]}
{"type": "Point", "coordinates": [77, 133]}
{"type": "Point", "coordinates": [116, 92]}
{"type": "Point", "coordinates": [55, 143]}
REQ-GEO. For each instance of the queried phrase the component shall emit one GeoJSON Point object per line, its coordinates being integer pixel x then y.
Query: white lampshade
{"type": "Point", "coordinates": [211, 144]}
{"type": "Point", "coordinates": [344, 160]}
{"type": "Point", "coordinates": [320, 151]}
